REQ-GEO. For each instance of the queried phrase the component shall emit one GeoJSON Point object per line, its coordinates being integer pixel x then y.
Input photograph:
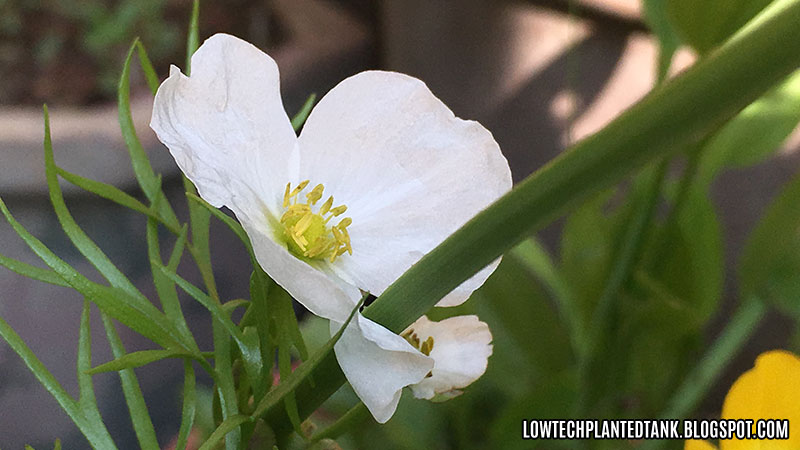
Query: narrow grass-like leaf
{"type": "Point", "coordinates": [189, 405]}
{"type": "Point", "coordinates": [230, 222]}
{"type": "Point", "coordinates": [226, 386]}
{"type": "Point", "coordinates": [147, 67]}
{"type": "Point", "coordinates": [147, 178]}
{"type": "Point", "coordinates": [142, 424]}
{"type": "Point", "coordinates": [303, 371]}
{"type": "Point", "coordinates": [57, 445]}
{"type": "Point", "coordinates": [215, 309]}
{"type": "Point", "coordinates": [199, 222]}
{"type": "Point", "coordinates": [164, 286]}
{"type": "Point", "coordinates": [95, 433]}
{"type": "Point", "coordinates": [86, 399]}
{"type": "Point", "coordinates": [228, 425]}
{"type": "Point", "coordinates": [251, 354]}
{"type": "Point", "coordinates": [281, 306]}
{"type": "Point", "coordinates": [104, 190]}
{"type": "Point", "coordinates": [33, 272]}
{"type": "Point", "coordinates": [144, 319]}
{"type": "Point", "coordinates": [141, 164]}
{"type": "Point", "coordinates": [116, 195]}
{"type": "Point", "coordinates": [137, 359]}
{"type": "Point", "coordinates": [81, 241]}
{"type": "Point", "coordinates": [231, 305]}
{"type": "Point", "coordinates": [260, 286]}
{"type": "Point", "coordinates": [300, 118]}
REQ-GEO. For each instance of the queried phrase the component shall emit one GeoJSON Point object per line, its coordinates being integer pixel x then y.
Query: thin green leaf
{"type": "Point", "coordinates": [303, 371]}
{"type": "Point", "coordinates": [146, 320]}
{"type": "Point", "coordinates": [251, 354]}
{"type": "Point", "coordinates": [86, 399]}
{"type": "Point", "coordinates": [228, 425]}
{"type": "Point", "coordinates": [231, 305]}
{"type": "Point", "coordinates": [300, 118]}
{"type": "Point", "coordinates": [226, 385]}
{"type": "Point", "coordinates": [215, 309]}
{"type": "Point", "coordinates": [148, 180]}
{"type": "Point", "coordinates": [33, 272]}
{"type": "Point", "coordinates": [164, 286]}
{"type": "Point", "coordinates": [95, 433]}
{"type": "Point", "coordinates": [193, 38]}
{"type": "Point", "coordinates": [57, 445]}
{"type": "Point", "coordinates": [86, 246]}
{"type": "Point", "coordinates": [199, 222]}
{"type": "Point", "coordinates": [189, 405]}
{"type": "Point", "coordinates": [117, 196]}
{"type": "Point", "coordinates": [281, 303]}
{"type": "Point", "coordinates": [137, 359]}
{"type": "Point", "coordinates": [231, 223]}
{"type": "Point", "coordinates": [142, 424]}
{"type": "Point", "coordinates": [104, 190]}
{"type": "Point", "coordinates": [76, 235]}
{"type": "Point", "coordinates": [260, 286]}
{"type": "Point", "coordinates": [147, 67]}
{"type": "Point", "coordinates": [141, 164]}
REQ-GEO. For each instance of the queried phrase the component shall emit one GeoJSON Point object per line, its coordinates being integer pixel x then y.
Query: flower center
{"type": "Point", "coordinates": [307, 232]}
{"type": "Point", "coordinates": [425, 346]}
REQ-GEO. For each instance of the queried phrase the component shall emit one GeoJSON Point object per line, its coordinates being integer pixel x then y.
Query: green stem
{"type": "Point", "coordinates": [702, 378]}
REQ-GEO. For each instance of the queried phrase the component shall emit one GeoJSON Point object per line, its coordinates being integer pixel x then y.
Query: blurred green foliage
{"type": "Point", "coordinates": [69, 50]}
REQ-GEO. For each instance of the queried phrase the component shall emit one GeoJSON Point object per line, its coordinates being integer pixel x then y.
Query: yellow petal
{"type": "Point", "coordinates": [770, 390]}
{"type": "Point", "coordinates": [698, 445]}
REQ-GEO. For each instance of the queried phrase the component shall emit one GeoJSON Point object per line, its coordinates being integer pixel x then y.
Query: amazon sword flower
{"type": "Point", "coordinates": [381, 173]}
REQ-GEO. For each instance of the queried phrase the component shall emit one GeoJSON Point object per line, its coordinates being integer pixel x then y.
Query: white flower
{"type": "Point", "coordinates": [460, 347]}
{"type": "Point", "coordinates": [408, 171]}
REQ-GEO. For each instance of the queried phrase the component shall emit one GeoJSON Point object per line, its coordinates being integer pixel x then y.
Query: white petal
{"type": "Point", "coordinates": [320, 293]}
{"type": "Point", "coordinates": [409, 171]}
{"type": "Point", "coordinates": [227, 129]}
{"type": "Point", "coordinates": [378, 364]}
{"type": "Point", "coordinates": [226, 126]}
{"type": "Point", "coordinates": [461, 349]}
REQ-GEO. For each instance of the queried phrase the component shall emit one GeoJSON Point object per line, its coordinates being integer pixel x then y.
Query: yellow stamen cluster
{"type": "Point", "coordinates": [425, 346]}
{"type": "Point", "coordinates": [307, 232]}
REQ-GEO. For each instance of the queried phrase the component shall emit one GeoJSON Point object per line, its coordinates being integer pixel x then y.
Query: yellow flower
{"type": "Point", "coordinates": [770, 390]}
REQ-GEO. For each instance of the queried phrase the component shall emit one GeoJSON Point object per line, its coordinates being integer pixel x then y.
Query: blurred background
{"type": "Point", "coordinates": [540, 74]}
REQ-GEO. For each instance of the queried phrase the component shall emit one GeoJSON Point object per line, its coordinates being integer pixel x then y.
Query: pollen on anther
{"type": "Point", "coordinates": [308, 231]}
{"type": "Point", "coordinates": [315, 194]}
